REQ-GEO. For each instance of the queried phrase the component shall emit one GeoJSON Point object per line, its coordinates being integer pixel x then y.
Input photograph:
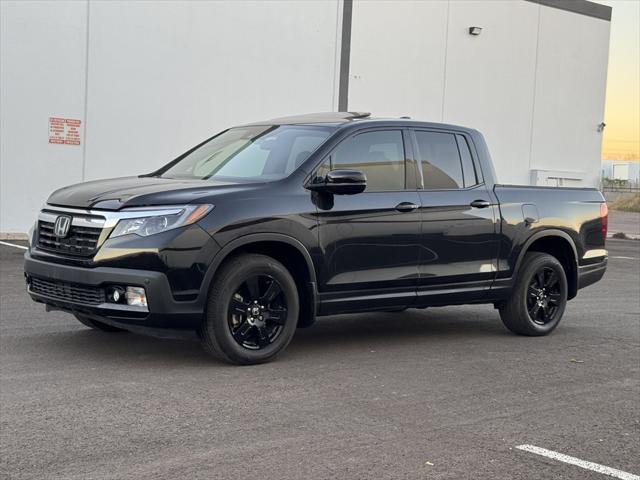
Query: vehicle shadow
{"type": "Point", "coordinates": [437, 326]}
{"type": "Point", "coordinates": [395, 328]}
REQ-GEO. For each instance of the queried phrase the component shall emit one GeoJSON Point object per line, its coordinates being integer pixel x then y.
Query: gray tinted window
{"type": "Point", "coordinates": [441, 167]}
{"type": "Point", "coordinates": [468, 169]}
{"type": "Point", "coordinates": [380, 155]}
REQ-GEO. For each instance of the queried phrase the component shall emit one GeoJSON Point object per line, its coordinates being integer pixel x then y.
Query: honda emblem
{"type": "Point", "coordinates": [61, 227]}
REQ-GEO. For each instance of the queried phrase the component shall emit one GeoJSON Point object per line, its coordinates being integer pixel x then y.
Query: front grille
{"type": "Point", "coordinates": [81, 241]}
{"type": "Point", "coordinates": [67, 291]}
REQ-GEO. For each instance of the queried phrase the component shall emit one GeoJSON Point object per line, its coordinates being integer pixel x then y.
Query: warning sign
{"type": "Point", "coordinates": [64, 131]}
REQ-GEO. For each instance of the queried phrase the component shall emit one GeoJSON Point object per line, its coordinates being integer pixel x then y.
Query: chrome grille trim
{"type": "Point", "coordinates": [80, 241]}
{"type": "Point", "coordinates": [106, 218]}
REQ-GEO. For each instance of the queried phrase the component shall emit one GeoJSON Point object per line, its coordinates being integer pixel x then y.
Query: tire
{"type": "Point", "coordinates": [96, 325]}
{"type": "Point", "coordinates": [532, 310]}
{"type": "Point", "coordinates": [252, 311]}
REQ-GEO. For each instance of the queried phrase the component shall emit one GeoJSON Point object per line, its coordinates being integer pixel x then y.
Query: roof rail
{"type": "Point", "coordinates": [359, 114]}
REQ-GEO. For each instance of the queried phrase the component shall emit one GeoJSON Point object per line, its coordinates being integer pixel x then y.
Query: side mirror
{"type": "Point", "coordinates": [342, 182]}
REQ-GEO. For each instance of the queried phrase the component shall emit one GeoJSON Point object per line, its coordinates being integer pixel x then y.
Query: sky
{"type": "Point", "coordinates": [622, 108]}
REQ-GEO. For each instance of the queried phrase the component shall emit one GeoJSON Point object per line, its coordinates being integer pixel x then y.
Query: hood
{"type": "Point", "coordinates": [117, 193]}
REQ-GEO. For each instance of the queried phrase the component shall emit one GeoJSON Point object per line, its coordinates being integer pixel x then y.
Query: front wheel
{"type": "Point", "coordinates": [252, 310]}
{"type": "Point", "coordinates": [539, 297]}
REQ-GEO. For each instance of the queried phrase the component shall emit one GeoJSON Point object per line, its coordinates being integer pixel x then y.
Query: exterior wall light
{"type": "Point", "coordinates": [475, 30]}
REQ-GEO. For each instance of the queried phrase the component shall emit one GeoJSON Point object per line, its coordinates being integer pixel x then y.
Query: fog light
{"type": "Point", "coordinates": [115, 294]}
{"type": "Point", "coordinates": [136, 296]}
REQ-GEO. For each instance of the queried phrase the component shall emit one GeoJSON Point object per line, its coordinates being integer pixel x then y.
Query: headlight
{"type": "Point", "coordinates": [30, 234]}
{"type": "Point", "coordinates": [149, 223]}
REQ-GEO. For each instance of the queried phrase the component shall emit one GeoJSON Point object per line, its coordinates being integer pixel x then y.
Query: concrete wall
{"type": "Point", "coordinates": [159, 77]}
{"type": "Point", "coordinates": [533, 82]}
{"type": "Point", "coordinates": [149, 79]}
{"type": "Point", "coordinates": [42, 74]}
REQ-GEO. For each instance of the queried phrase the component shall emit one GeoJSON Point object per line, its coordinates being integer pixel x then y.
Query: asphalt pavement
{"type": "Point", "coordinates": [442, 393]}
{"type": "Point", "coordinates": [624, 222]}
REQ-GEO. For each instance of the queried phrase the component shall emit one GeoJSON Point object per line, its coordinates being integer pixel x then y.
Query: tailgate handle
{"type": "Point", "coordinates": [406, 207]}
{"type": "Point", "coordinates": [480, 204]}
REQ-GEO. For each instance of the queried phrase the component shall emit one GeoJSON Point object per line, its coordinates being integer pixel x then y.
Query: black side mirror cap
{"type": "Point", "coordinates": [341, 182]}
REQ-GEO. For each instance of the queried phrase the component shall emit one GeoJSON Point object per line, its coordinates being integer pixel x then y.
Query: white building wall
{"type": "Point", "coordinates": [571, 80]}
{"type": "Point", "coordinates": [490, 79]}
{"type": "Point", "coordinates": [533, 82]}
{"type": "Point", "coordinates": [42, 74]}
{"type": "Point", "coordinates": [161, 77]}
{"type": "Point", "coordinates": [398, 58]}
{"type": "Point", "coordinates": [151, 79]}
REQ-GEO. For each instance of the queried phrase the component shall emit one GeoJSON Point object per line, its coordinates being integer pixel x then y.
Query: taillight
{"type": "Point", "coordinates": [604, 219]}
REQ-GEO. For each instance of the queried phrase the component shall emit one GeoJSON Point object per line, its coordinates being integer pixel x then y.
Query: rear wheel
{"type": "Point", "coordinates": [252, 310]}
{"type": "Point", "coordinates": [96, 325]}
{"type": "Point", "coordinates": [539, 298]}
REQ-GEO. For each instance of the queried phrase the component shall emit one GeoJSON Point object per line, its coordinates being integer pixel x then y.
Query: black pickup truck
{"type": "Point", "coordinates": [264, 227]}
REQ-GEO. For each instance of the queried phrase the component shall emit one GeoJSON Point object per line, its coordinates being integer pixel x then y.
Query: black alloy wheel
{"type": "Point", "coordinates": [252, 310]}
{"type": "Point", "coordinates": [544, 296]}
{"type": "Point", "coordinates": [257, 312]}
{"type": "Point", "coordinates": [537, 302]}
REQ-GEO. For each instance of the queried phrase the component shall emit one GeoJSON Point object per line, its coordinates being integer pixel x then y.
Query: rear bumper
{"type": "Point", "coordinates": [163, 311]}
{"type": "Point", "coordinates": [590, 274]}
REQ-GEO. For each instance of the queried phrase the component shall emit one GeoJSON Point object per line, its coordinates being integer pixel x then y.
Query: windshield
{"type": "Point", "coordinates": [255, 152]}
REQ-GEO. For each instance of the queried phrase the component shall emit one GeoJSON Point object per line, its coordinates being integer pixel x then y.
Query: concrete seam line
{"type": "Point", "coordinates": [345, 56]}
{"type": "Point", "coordinates": [594, 467]}
{"type": "Point", "coordinates": [86, 93]}
{"type": "Point", "coordinates": [13, 245]}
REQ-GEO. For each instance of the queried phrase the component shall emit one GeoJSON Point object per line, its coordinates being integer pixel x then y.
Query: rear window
{"type": "Point", "coordinates": [468, 168]}
{"type": "Point", "coordinates": [254, 152]}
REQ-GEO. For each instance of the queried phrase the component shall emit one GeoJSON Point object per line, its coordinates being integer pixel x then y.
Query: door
{"type": "Point", "coordinates": [459, 241]}
{"type": "Point", "coordinates": [370, 241]}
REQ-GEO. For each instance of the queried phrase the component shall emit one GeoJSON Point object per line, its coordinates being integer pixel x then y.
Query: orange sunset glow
{"type": "Point", "coordinates": [622, 110]}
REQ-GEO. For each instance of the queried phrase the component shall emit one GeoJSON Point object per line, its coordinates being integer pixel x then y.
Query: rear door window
{"type": "Point", "coordinates": [440, 159]}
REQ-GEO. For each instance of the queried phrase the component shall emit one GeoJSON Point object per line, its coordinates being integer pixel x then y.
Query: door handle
{"type": "Point", "coordinates": [480, 204]}
{"type": "Point", "coordinates": [406, 207]}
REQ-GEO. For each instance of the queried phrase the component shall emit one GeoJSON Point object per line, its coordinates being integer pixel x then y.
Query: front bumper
{"type": "Point", "coordinates": [163, 312]}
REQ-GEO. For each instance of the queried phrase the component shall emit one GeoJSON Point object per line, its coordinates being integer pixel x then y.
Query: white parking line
{"type": "Point", "coordinates": [627, 258]}
{"type": "Point", "coordinates": [594, 467]}
{"type": "Point", "coordinates": [13, 245]}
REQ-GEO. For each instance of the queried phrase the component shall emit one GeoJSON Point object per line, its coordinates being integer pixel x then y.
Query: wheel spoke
{"type": "Point", "coordinates": [277, 315]}
{"type": "Point", "coordinates": [242, 332]}
{"type": "Point", "coordinates": [253, 287]}
{"type": "Point", "coordinates": [238, 307]}
{"type": "Point", "coordinates": [534, 311]}
{"type": "Point", "coordinates": [554, 298]}
{"type": "Point", "coordinates": [273, 290]}
{"type": "Point", "coordinates": [540, 278]}
{"type": "Point", "coordinates": [546, 313]}
{"type": "Point", "coordinates": [263, 337]}
{"type": "Point", "coordinates": [533, 291]}
{"type": "Point", "coordinates": [551, 280]}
